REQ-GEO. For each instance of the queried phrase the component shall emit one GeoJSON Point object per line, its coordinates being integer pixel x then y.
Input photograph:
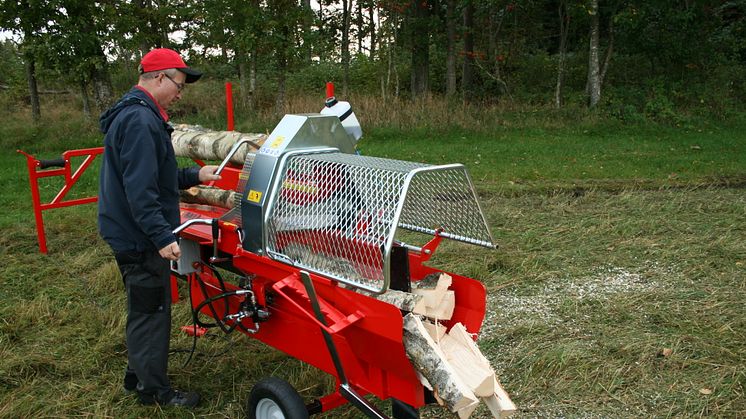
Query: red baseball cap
{"type": "Point", "coordinates": [164, 58]}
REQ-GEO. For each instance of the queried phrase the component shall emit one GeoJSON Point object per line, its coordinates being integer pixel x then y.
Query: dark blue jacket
{"type": "Point", "coordinates": [138, 199]}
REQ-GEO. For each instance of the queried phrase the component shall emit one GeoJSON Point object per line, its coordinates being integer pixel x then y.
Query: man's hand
{"type": "Point", "coordinates": [207, 173]}
{"type": "Point", "coordinates": [171, 252]}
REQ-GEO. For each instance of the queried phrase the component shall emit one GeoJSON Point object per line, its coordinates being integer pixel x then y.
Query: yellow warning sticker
{"type": "Point", "coordinates": [254, 196]}
{"type": "Point", "coordinates": [277, 141]}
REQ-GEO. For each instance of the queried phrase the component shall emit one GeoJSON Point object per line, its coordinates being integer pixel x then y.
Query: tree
{"type": "Point", "coordinates": [418, 24]}
{"type": "Point", "coordinates": [75, 40]}
{"type": "Point", "coordinates": [467, 72]}
{"type": "Point", "coordinates": [564, 26]}
{"type": "Point", "coordinates": [346, 11]}
{"type": "Point", "coordinates": [451, 48]}
{"type": "Point", "coordinates": [28, 20]}
{"type": "Point", "coordinates": [594, 72]}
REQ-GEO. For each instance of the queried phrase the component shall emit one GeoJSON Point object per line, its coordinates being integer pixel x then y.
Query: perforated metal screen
{"type": "Point", "coordinates": [337, 214]}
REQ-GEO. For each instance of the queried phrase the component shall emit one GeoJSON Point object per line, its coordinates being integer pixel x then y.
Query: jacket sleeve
{"type": "Point", "coordinates": [188, 177]}
{"type": "Point", "coordinates": [139, 160]}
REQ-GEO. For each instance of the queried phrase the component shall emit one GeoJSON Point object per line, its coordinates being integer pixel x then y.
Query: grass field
{"type": "Point", "coordinates": [617, 290]}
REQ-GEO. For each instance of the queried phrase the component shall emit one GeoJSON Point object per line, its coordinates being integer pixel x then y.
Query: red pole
{"type": "Point", "coordinates": [31, 164]}
{"type": "Point", "coordinates": [329, 89]}
{"type": "Point", "coordinates": [229, 104]}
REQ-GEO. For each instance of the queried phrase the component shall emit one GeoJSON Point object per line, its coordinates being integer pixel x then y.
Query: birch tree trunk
{"type": "Point", "coordinates": [33, 89]}
{"type": "Point", "coordinates": [252, 79]}
{"type": "Point", "coordinates": [242, 76]}
{"type": "Point", "coordinates": [307, 22]}
{"type": "Point", "coordinates": [420, 41]}
{"type": "Point", "coordinates": [467, 77]}
{"type": "Point", "coordinates": [372, 29]}
{"type": "Point", "coordinates": [451, 48]}
{"type": "Point", "coordinates": [85, 98]}
{"type": "Point", "coordinates": [607, 55]}
{"type": "Point", "coordinates": [359, 23]}
{"type": "Point", "coordinates": [346, 8]}
{"type": "Point", "coordinates": [594, 76]}
{"type": "Point", "coordinates": [564, 29]}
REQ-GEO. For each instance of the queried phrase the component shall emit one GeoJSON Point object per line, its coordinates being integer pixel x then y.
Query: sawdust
{"type": "Point", "coordinates": [507, 310]}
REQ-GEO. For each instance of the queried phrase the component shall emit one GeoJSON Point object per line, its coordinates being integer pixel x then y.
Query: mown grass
{"type": "Point", "coordinates": [616, 242]}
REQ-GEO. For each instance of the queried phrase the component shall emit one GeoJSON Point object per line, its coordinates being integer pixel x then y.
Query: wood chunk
{"type": "Point", "coordinates": [436, 330]}
{"type": "Point", "coordinates": [431, 362]}
{"type": "Point", "coordinates": [470, 368]}
{"type": "Point", "coordinates": [439, 301]}
{"type": "Point", "coordinates": [459, 332]}
{"type": "Point", "coordinates": [444, 311]}
{"type": "Point", "coordinates": [499, 403]}
{"type": "Point", "coordinates": [466, 412]}
{"type": "Point", "coordinates": [432, 297]}
{"type": "Point", "coordinates": [439, 280]}
{"type": "Point", "coordinates": [403, 301]}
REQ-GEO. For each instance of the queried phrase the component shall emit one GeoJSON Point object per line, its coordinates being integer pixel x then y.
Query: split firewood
{"type": "Point", "coordinates": [436, 330]}
{"type": "Point", "coordinates": [478, 376]}
{"type": "Point", "coordinates": [440, 302]}
{"type": "Point", "coordinates": [444, 310]}
{"type": "Point", "coordinates": [200, 143]}
{"type": "Point", "coordinates": [499, 402]}
{"type": "Point", "coordinates": [430, 361]}
{"type": "Point", "coordinates": [208, 195]}
{"type": "Point", "coordinates": [462, 354]}
{"type": "Point", "coordinates": [403, 301]}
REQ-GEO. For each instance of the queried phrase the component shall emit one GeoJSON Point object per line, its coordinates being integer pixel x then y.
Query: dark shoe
{"type": "Point", "coordinates": [130, 382]}
{"type": "Point", "coordinates": [178, 398]}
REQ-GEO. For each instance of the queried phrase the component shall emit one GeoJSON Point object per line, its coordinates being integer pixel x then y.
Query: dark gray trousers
{"type": "Point", "coordinates": [147, 281]}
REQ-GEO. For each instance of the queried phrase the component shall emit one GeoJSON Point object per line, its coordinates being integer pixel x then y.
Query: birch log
{"type": "Point", "coordinates": [429, 360]}
{"type": "Point", "coordinates": [403, 301]}
{"type": "Point", "coordinates": [208, 195]}
{"type": "Point", "coordinates": [200, 143]}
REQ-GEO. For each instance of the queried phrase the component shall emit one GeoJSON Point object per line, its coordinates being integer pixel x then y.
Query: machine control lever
{"type": "Point", "coordinates": [233, 151]}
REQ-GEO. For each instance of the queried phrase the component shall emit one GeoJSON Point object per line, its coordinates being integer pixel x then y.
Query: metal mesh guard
{"type": "Point", "coordinates": [337, 214]}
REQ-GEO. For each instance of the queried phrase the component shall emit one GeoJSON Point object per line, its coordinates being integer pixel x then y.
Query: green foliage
{"type": "Point", "coordinates": [12, 74]}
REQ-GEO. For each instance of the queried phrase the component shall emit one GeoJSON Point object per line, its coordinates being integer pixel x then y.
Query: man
{"type": "Point", "coordinates": [138, 208]}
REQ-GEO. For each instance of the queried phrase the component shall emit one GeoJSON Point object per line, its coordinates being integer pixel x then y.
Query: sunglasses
{"type": "Point", "coordinates": [179, 86]}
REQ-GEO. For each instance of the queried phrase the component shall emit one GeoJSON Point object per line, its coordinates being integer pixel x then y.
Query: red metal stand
{"type": "Point", "coordinates": [229, 104]}
{"type": "Point", "coordinates": [38, 169]}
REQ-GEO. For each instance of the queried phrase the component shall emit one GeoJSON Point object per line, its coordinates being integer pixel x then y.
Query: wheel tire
{"type": "Point", "coordinates": [275, 398]}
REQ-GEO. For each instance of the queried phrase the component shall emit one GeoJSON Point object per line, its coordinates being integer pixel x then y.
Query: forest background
{"type": "Point", "coordinates": [632, 59]}
{"type": "Point", "coordinates": [606, 140]}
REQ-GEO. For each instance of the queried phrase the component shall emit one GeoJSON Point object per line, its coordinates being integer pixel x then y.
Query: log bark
{"type": "Point", "coordinates": [594, 79]}
{"type": "Point", "coordinates": [429, 360]}
{"type": "Point", "coordinates": [403, 301]}
{"type": "Point", "coordinates": [208, 195]}
{"type": "Point", "coordinates": [199, 143]}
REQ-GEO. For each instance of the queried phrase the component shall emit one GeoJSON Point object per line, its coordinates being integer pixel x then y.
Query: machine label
{"type": "Point", "coordinates": [254, 196]}
{"type": "Point", "coordinates": [277, 142]}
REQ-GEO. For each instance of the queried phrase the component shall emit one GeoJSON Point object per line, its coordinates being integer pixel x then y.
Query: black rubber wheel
{"type": "Point", "coordinates": [275, 398]}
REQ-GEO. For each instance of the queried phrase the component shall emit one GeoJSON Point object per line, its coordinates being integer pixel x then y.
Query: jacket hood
{"type": "Point", "coordinates": [134, 97]}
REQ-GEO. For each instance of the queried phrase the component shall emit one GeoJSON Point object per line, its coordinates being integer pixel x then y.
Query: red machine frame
{"type": "Point", "coordinates": [352, 336]}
